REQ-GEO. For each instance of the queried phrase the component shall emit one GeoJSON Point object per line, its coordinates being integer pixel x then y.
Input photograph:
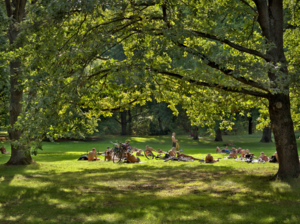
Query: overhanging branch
{"type": "Point", "coordinates": [233, 45]}
{"type": "Point", "coordinates": [214, 85]}
{"type": "Point", "coordinates": [228, 72]}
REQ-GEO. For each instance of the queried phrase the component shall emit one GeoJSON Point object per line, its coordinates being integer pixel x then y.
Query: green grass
{"type": "Point", "coordinates": [60, 189]}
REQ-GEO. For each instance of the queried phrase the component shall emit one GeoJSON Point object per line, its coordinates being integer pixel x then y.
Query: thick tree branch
{"type": "Point", "coordinates": [8, 8]}
{"type": "Point", "coordinates": [263, 17]}
{"type": "Point", "coordinates": [214, 85]}
{"type": "Point", "coordinates": [225, 71]}
{"type": "Point", "coordinates": [233, 45]}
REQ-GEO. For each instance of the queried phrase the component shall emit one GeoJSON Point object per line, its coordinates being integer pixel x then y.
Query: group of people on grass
{"type": "Point", "coordinates": [173, 154]}
{"type": "Point", "coordinates": [232, 154]}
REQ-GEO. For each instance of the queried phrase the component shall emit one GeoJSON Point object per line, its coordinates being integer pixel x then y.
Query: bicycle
{"type": "Point", "coordinates": [119, 150]}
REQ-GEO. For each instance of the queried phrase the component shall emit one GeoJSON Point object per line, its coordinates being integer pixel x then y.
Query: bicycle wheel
{"type": "Point", "coordinates": [149, 154]}
{"type": "Point", "coordinates": [118, 157]}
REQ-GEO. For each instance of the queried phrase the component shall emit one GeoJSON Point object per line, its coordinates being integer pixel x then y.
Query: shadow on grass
{"type": "Point", "coordinates": [146, 194]}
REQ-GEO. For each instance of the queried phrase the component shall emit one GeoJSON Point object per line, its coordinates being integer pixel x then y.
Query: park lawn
{"type": "Point", "coordinates": [60, 189]}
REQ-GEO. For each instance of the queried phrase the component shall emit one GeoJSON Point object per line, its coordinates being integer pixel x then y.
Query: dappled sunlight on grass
{"type": "Point", "coordinates": [60, 189]}
{"type": "Point", "coordinates": [279, 186]}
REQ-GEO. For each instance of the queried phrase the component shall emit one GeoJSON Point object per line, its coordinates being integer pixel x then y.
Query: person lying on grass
{"type": "Point", "coordinates": [232, 155]}
{"type": "Point", "coordinates": [3, 150]}
{"type": "Point", "coordinates": [131, 158]}
{"type": "Point", "coordinates": [186, 156]}
{"type": "Point", "coordinates": [226, 150]}
{"type": "Point", "coordinates": [218, 150]}
{"type": "Point", "coordinates": [182, 157]}
{"type": "Point", "coordinates": [138, 151]}
{"type": "Point", "coordinates": [263, 157]}
{"type": "Point", "coordinates": [210, 159]}
{"type": "Point", "coordinates": [92, 156]}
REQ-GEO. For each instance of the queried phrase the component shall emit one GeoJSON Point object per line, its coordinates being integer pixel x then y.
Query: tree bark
{"type": "Point", "coordinates": [218, 135]}
{"type": "Point", "coordinates": [267, 135]}
{"type": "Point", "coordinates": [195, 133]}
{"type": "Point", "coordinates": [271, 23]}
{"type": "Point", "coordinates": [123, 122]}
{"type": "Point", "coordinates": [285, 140]}
{"type": "Point", "coordinates": [129, 123]}
{"type": "Point", "coordinates": [250, 126]}
{"type": "Point", "coordinates": [161, 131]}
{"type": "Point", "coordinates": [20, 155]}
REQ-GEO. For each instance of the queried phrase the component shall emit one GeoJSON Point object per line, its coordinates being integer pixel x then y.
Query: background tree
{"type": "Point", "coordinates": [15, 11]}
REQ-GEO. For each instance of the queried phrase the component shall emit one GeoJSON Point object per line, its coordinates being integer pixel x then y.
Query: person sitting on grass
{"type": "Point", "coordinates": [149, 150]}
{"type": "Point", "coordinates": [239, 150]}
{"type": "Point", "coordinates": [274, 158]}
{"type": "Point", "coordinates": [172, 152]}
{"type": "Point", "coordinates": [3, 150]}
{"type": "Point", "coordinates": [171, 155]}
{"type": "Point", "coordinates": [131, 158]}
{"type": "Point", "coordinates": [218, 150]}
{"type": "Point", "coordinates": [92, 156]}
{"type": "Point", "coordinates": [263, 157]}
{"type": "Point", "coordinates": [108, 153]}
{"type": "Point", "coordinates": [243, 153]}
{"type": "Point", "coordinates": [210, 159]}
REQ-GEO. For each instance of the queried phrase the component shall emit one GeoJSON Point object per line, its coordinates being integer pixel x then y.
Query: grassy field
{"type": "Point", "coordinates": [60, 189]}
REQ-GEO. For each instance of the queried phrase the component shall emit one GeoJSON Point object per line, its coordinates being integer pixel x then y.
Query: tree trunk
{"type": "Point", "coordinates": [218, 135]}
{"type": "Point", "coordinates": [20, 155]}
{"type": "Point", "coordinates": [195, 133]}
{"type": "Point", "coordinates": [123, 122]}
{"type": "Point", "coordinates": [267, 135]}
{"type": "Point", "coordinates": [270, 18]}
{"type": "Point", "coordinates": [250, 126]}
{"type": "Point", "coordinates": [161, 131]}
{"type": "Point", "coordinates": [285, 140]}
{"type": "Point", "coordinates": [129, 123]}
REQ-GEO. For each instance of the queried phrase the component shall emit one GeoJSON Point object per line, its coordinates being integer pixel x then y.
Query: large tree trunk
{"type": "Point", "coordinates": [218, 135]}
{"type": "Point", "coordinates": [267, 135]}
{"type": "Point", "coordinates": [20, 155]}
{"type": "Point", "coordinates": [285, 140]}
{"type": "Point", "coordinates": [124, 122]}
{"type": "Point", "coordinates": [271, 23]}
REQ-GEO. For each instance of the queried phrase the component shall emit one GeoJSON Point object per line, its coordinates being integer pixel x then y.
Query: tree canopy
{"type": "Point", "coordinates": [212, 57]}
